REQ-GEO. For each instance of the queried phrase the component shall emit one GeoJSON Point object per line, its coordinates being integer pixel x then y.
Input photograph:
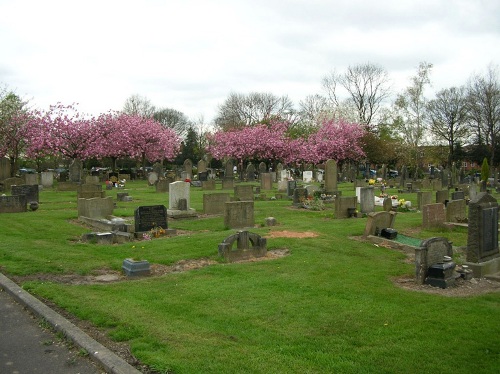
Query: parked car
{"type": "Point", "coordinates": [26, 171]}
{"type": "Point", "coordinates": [393, 173]}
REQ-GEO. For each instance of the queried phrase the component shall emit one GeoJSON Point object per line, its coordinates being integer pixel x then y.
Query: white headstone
{"type": "Point", "coordinates": [307, 176]}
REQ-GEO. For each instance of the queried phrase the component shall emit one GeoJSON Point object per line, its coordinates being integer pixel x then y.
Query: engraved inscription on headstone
{"type": "Point", "coordinates": [489, 238]}
{"type": "Point", "coordinates": [149, 217]}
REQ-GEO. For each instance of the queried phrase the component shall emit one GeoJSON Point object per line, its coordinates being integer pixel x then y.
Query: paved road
{"type": "Point", "coordinates": [28, 348]}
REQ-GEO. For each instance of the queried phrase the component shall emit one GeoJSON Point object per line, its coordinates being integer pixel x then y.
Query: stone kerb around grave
{"type": "Point", "coordinates": [248, 245]}
{"type": "Point", "coordinates": [376, 221]}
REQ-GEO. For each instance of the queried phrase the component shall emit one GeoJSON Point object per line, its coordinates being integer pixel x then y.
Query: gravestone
{"type": "Point", "coordinates": [290, 187]}
{"type": "Point", "coordinates": [299, 196]}
{"type": "Point", "coordinates": [188, 168]}
{"type": "Point", "coordinates": [433, 215]}
{"type": "Point", "coordinates": [376, 221]}
{"type": "Point", "coordinates": [202, 166]}
{"type": "Point", "coordinates": [89, 191]}
{"type": "Point", "coordinates": [311, 189]}
{"type": "Point", "coordinates": [162, 185]}
{"type": "Point", "coordinates": [266, 181]}
{"type": "Point", "coordinates": [345, 206]}
{"type": "Point", "coordinates": [179, 201]}
{"type": "Point", "coordinates": [47, 179]}
{"type": "Point", "coordinates": [229, 170]}
{"type": "Point", "coordinates": [262, 168]}
{"type": "Point", "coordinates": [152, 178]}
{"type": "Point", "coordinates": [307, 176]}
{"type": "Point", "coordinates": [9, 182]}
{"type": "Point", "coordinates": [28, 190]}
{"type": "Point", "coordinates": [92, 179]}
{"type": "Point", "coordinates": [96, 207]}
{"type": "Point", "coordinates": [279, 169]}
{"type": "Point", "coordinates": [227, 184]}
{"type": "Point", "coordinates": [482, 238]}
{"type": "Point", "coordinates": [442, 196]}
{"type": "Point", "coordinates": [208, 185]}
{"type": "Point", "coordinates": [239, 214]}
{"type": "Point", "coordinates": [330, 176]}
{"type": "Point", "coordinates": [282, 185]}
{"type": "Point", "coordinates": [13, 204]}
{"type": "Point", "coordinates": [434, 254]}
{"type": "Point", "coordinates": [75, 171]}
{"type": "Point", "coordinates": [437, 185]}
{"type": "Point", "coordinates": [455, 211]}
{"type": "Point", "coordinates": [458, 195]}
{"type": "Point", "coordinates": [423, 198]}
{"type": "Point", "coordinates": [387, 204]}
{"type": "Point", "coordinates": [445, 180]}
{"type": "Point", "coordinates": [250, 171]}
{"type": "Point", "coordinates": [31, 179]}
{"type": "Point", "coordinates": [403, 177]}
{"type": "Point", "coordinates": [367, 199]}
{"type": "Point", "coordinates": [243, 193]}
{"type": "Point", "coordinates": [473, 191]}
{"type": "Point", "coordinates": [248, 245]}
{"type": "Point", "coordinates": [149, 217]}
{"type": "Point", "coordinates": [214, 203]}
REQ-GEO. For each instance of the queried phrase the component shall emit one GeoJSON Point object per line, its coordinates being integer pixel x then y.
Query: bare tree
{"type": "Point", "coordinates": [139, 105]}
{"type": "Point", "coordinates": [313, 109]}
{"type": "Point", "coordinates": [448, 117]}
{"type": "Point", "coordinates": [410, 112]}
{"type": "Point", "coordinates": [173, 119]}
{"type": "Point", "coordinates": [245, 110]}
{"type": "Point", "coordinates": [367, 86]}
{"type": "Point", "coordinates": [484, 101]}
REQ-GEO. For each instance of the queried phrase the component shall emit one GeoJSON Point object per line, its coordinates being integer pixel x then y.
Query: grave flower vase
{"type": "Point", "coordinates": [133, 267]}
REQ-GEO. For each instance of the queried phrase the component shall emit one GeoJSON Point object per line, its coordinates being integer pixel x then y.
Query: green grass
{"type": "Point", "coordinates": [330, 306]}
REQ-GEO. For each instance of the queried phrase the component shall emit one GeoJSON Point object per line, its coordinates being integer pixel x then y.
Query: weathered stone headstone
{"type": "Point", "coordinates": [214, 203]}
{"type": "Point", "coordinates": [239, 214]}
{"type": "Point", "coordinates": [433, 215]}
{"type": "Point", "coordinates": [432, 252]}
{"type": "Point", "coordinates": [307, 176]}
{"type": "Point", "coordinates": [290, 187]}
{"type": "Point", "coordinates": [188, 168]}
{"type": "Point", "coordinates": [248, 245]}
{"type": "Point", "coordinates": [442, 196]}
{"type": "Point", "coordinates": [75, 171]}
{"type": "Point", "coordinates": [457, 195]}
{"type": "Point", "coordinates": [31, 179]}
{"type": "Point", "coordinates": [423, 198]}
{"type": "Point", "coordinates": [227, 184]}
{"type": "Point", "coordinates": [299, 196]}
{"type": "Point", "coordinates": [266, 181]}
{"type": "Point", "coordinates": [162, 185]}
{"type": "Point", "coordinates": [482, 238]}
{"type": "Point", "coordinates": [330, 176]}
{"type": "Point", "coordinates": [95, 207]}
{"type": "Point", "coordinates": [92, 179]}
{"type": "Point", "coordinates": [376, 221]}
{"type": "Point", "coordinates": [13, 204]}
{"type": "Point", "coordinates": [250, 171]}
{"type": "Point", "coordinates": [455, 211]}
{"type": "Point", "coordinates": [179, 200]}
{"type": "Point", "coordinates": [473, 191]}
{"type": "Point", "coordinates": [149, 217]}
{"type": "Point", "coordinates": [202, 166]}
{"type": "Point", "coordinates": [152, 178]}
{"type": "Point", "coordinates": [243, 193]}
{"type": "Point", "coordinates": [262, 168]}
{"type": "Point", "coordinates": [30, 191]}
{"type": "Point", "coordinates": [345, 206]}
{"type": "Point", "coordinates": [89, 191]}
{"type": "Point", "coordinates": [208, 185]}
{"type": "Point", "coordinates": [367, 199]}
{"type": "Point", "coordinates": [279, 169]}
{"type": "Point", "coordinates": [387, 204]}
{"type": "Point", "coordinates": [229, 170]}
{"type": "Point", "coordinates": [9, 182]}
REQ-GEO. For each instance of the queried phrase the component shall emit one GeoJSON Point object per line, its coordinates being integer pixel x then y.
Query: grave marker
{"type": "Point", "coordinates": [149, 217]}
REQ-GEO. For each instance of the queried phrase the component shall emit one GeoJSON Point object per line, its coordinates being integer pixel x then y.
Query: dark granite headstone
{"type": "Point", "coordinates": [28, 190]}
{"type": "Point", "coordinates": [13, 204]}
{"type": "Point", "coordinates": [149, 217]}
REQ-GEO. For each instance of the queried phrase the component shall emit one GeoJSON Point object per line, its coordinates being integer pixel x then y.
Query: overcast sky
{"type": "Point", "coordinates": [190, 54]}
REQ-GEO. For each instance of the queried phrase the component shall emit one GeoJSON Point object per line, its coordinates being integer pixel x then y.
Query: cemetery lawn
{"type": "Point", "coordinates": [330, 305]}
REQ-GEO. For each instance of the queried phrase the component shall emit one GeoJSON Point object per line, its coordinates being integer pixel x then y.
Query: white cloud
{"type": "Point", "coordinates": [190, 54]}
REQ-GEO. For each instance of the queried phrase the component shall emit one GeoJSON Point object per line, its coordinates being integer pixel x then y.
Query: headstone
{"type": "Point", "coordinates": [307, 176]}
{"type": "Point", "coordinates": [75, 171]}
{"type": "Point", "coordinates": [330, 176]}
{"type": "Point", "coordinates": [152, 178]}
{"type": "Point", "coordinates": [455, 211]}
{"type": "Point", "coordinates": [179, 201]}
{"type": "Point", "coordinates": [89, 191]}
{"type": "Point", "coordinates": [279, 169]}
{"type": "Point", "coordinates": [92, 179]}
{"type": "Point", "coordinates": [423, 198]}
{"type": "Point", "coordinates": [250, 171]}
{"type": "Point", "coordinates": [123, 196]}
{"type": "Point", "coordinates": [227, 184]}
{"type": "Point", "coordinates": [482, 237]}
{"type": "Point", "coordinates": [442, 196]}
{"type": "Point", "coordinates": [95, 207]}
{"type": "Point", "coordinates": [445, 178]}
{"type": "Point", "coordinates": [248, 245]}
{"type": "Point", "coordinates": [387, 204]}
{"type": "Point", "coordinates": [9, 182]}
{"type": "Point", "coordinates": [262, 168]}
{"type": "Point", "coordinates": [188, 168]}
{"type": "Point", "coordinates": [432, 253]}
{"type": "Point", "coordinates": [282, 185]}
{"type": "Point", "coordinates": [13, 204]}
{"type": "Point", "coordinates": [458, 195]}
{"type": "Point", "coordinates": [473, 191]}
{"type": "Point", "coordinates": [311, 189]}
{"type": "Point", "coordinates": [208, 185]}
{"type": "Point", "coordinates": [202, 166]}
{"type": "Point", "coordinates": [229, 170]}
{"type": "Point", "coordinates": [239, 214]}
{"type": "Point", "coordinates": [28, 190]}
{"type": "Point", "coordinates": [376, 221]}
{"type": "Point", "coordinates": [403, 177]}
{"type": "Point", "coordinates": [243, 193]}
{"type": "Point", "coordinates": [367, 199]}
{"type": "Point", "coordinates": [149, 217]}
{"type": "Point", "coordinates": [266, 181]}
{"type": "Point", "coordinates": [214, 203]}
{"type": "Point", "coordinates": [299, 196]}
{"type": "Point", "coordinates": [31, 179]}
{"type": "Point", "coordinates": [162, 185]}
{"type": "Point", "coordinates": [345, 206]}
{"type": "Point", "coordinates": [290, 187]}
{"type": "Point", "coordinates": [433, 215]}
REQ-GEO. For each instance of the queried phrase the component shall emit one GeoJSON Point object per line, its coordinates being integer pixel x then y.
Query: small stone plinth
{"type": "Point", "coordinates": [133, 268]}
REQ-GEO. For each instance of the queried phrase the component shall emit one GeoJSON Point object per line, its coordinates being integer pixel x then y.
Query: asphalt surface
{"type": "Point", "coordinates": [33, 339]}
